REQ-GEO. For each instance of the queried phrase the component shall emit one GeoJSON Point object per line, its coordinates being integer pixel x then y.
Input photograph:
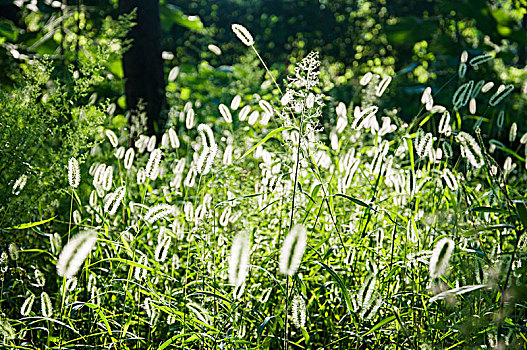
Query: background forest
{"type": "Point", "coordinates": [263, 174]}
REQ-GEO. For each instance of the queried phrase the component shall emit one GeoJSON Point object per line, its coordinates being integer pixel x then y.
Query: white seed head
{"type": "Point", "coordinates": [293, 250]}
{"type": "Point", "coordinates": [47, 308]}
{"type": "Point", "coordinates": [440, 257]}
{"type": "Point", "coordinates": [152, 166]}
{"type": "Point", "coordinates": [298, 313]}
{"type": "Point", "coordinates": [28, 305]}
{"type": "Point", "coordinates": [112, 138]}
{"type": "Point", "coordinates": [235, 103]}
{"type": "Point", "coordinates": [74, 173]}
{"type": "Point", "coordinates": [239, 259]}
{"type": "Point", "coordinates": [243, 34]}
{"type": "Point", "coordinates": [75, 252]}
{"type": "Point", "coordinates": [225, 113]}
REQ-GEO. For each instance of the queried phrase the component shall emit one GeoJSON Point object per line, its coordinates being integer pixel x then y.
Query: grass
{"type": "Point", "coordinates": [378, 199]}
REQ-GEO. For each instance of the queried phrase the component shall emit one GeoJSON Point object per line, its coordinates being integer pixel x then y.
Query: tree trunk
{"type": "Point", "coordinates": [143, 64]}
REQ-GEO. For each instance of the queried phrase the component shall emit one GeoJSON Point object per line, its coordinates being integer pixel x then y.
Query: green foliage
{"type": "Point", "coordinates": [381, 175]}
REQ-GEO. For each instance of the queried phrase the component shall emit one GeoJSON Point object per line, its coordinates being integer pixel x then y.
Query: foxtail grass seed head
{"type": "Point", "coordinates": [14, 252]}
{"type": "Point", "coordinates": [40, 279]}
{"type": "Point", "coordinates": [472, 106]}
{"type": "Point", "coordinates": [74, 173]}
{"type": "Point", "coordinates": [160, 211]}
{"type": "Point", "coordinates": [235, 103]}
{"type": "Point", "coordinates": [426, 96]}
{"type": "Point", "coordinates": [440, 257]}
{"type": "Point", "coordinates": [27, 305]}
{"type": "Point", "coordinates": [19, 185]}
{"type": "Point", "coordinates": [113, 200]}
{"type": "Point", "coordinates": [239, 259]}
{"type": "Point", "coordinates": [243, 34]}
{"type": "Point", "coordinates": [139, 272]}
{"type": "Point", "coordinates": [502, 92]}
{"type": "Point", "coordinates": [366, 78]}
{"type": "Point", "coordinates": [152, 166]}
{"type": "Point", "coordinates": [77, 217]}
{"type": "Point", "coordinates": [512, 132]}
{"type": "Point", "coordinates": [383, 85]}
{"type": "Point", "coordinates": [75, 252]}
{"type": "Point", "coordinates": [45, 303]}
{"type": "Point", "coordinates": [464, 57]}
{"type": "Point", "coordinates": [365, 293]}
{"type": "Point", "coordinates": [141, 176]}
{"type": "Point", "coordinates": [214, 49]}
{"type": "Point", "coordinates": [56, 242]}
{"type": "Point", "coordinates": [119, 152]}
{"type": "Point", "coordinates": [173, 138]}
{"type": "Point", "coordinates": [7, 330]}
{"type": "Point", "coordinates": [129, 158]}
{"type": "Point", "coordinates": [244, 112]}
{"type": "Point", "coordinates": [172, 75]}
{"type": "Point", "coordinates": [462, 70]}
{"type": "Point", "coordinates": [225, 113]}
{"type": "Point", "coordinates": [487, 87]}
{"type": "Point", "coordinates": [112, 138]}
{"type": "Point", "coordinates": [501, 119]}
{"type": "Point", "coordinates": [293, 249]}
{"type": "Point", "coordinates": [107, 178]}
{"type": "Point", "coordinates": [298, 313]}
{"type": "Point", "coordinates": [162, 248]}
{"type": "Point", "coordinates": [480, 59]}
{"type": "Point", "coordinates": [189, 121]}
{"type": "Point", "coordinates": [253, 117]}
{"type": "Point", "coordinates": [267, 108]}
{"type": "Point", "coordinates": [151, 145]}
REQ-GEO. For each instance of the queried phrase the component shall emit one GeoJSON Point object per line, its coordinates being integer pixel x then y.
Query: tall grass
{"type": "Point", "coordinates": [265, 228]}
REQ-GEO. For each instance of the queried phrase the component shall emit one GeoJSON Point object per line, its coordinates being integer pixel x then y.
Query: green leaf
{"type": "Point", "coordinates": [380, 324]}
{"type": "Point", "coordinates": [340, 283]}
{"type": "Point", "coordinates": [29, 224]}
{"type": "Point", "coordinates": [522, 212]}
{"type": "Point", "coordinates": [487, 210]}
{"type": "Point", "coordinates": [353, 199]}
{"type": "Point", "coordinates": [271, 134]}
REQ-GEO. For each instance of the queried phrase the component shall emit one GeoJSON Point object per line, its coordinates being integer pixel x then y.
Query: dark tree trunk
{"type": "Point", "coordinates": [143, 65]}
{"type": "Point", "coordinates": [522, 54]}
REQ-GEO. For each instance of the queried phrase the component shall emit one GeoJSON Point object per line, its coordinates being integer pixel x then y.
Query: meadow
{"type": "Point", "coordinates": [276, 221]}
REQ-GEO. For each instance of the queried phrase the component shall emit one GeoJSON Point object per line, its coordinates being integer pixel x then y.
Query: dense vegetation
{"type": "Point", "coordinates": [353, 197]}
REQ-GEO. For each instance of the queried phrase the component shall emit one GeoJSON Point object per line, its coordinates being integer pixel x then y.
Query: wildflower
{"type": "Point", "coordinates": [75, 252]}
